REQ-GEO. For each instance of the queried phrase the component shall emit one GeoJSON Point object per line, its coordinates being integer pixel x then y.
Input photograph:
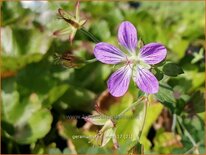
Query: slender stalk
{"type": "Point", "coordinates": [90, 35]}
{"type": "Point", "coordinates": [190, 150]}
{"type": "Point", "coordinates": [91, 60]}
{"type": "Point", "coordinates": [130, 107]}
{"type": "Point", "coordinates": [144, 118]}
{"type": "Point", "coordinates": [144, 113]}
{"type": "Point", "coordinates": [174, 120]}
{"type": "Point", "coordinates": [195, 145]}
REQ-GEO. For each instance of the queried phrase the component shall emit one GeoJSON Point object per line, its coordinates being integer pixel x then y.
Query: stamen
{"type": "Point", "coordinates": [129, 62]}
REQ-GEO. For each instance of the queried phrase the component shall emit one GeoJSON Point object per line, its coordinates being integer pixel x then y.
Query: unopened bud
{"type": "Point", "coordinates": [140, 43]}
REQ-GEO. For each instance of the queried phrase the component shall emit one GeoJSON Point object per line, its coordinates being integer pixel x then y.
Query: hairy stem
{"type": "Point", "coordinates": [174, 122]}
{"type": "Point", "coordinates": [144, 117]}
{"type": "Point", "coordinates": [91, 60]}
{"type": "Point", "coordinates": [144, 112]}
{"type": "Point", "coordinates": [90, 35]}
{"type": "Point", "coordinates": [130, 107]}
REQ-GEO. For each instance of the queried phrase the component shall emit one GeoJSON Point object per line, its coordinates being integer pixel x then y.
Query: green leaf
{"type": "Point", "coordinates": [153, 112]}
{"type": "Point", "coordinates": [96, 74]}
{"type": "Point", "coordinates": [134, 123]}
{"type": "Point", "coordinates": [12, 12]}
{"type": "Point", "coordinates": [122, 103]}
{"type": "Point", "coordinates": [166, 97]}
{"type": "Point", "coordinates": [54, 151]}
{"type": "Point", "coordinates": [158, 73]}
{"type": "Point", "coordinates": [9, 128]}
{"type": "Point", "coordinates": [54, 94]}
{"type": "Point", "coordinates": [11, 63]}
{"type": "Point", "coordinates": [196, 103]}
{"type": "Point", "coordinates": [198, 56]}
{"type": "Point", "coordinates": [10, 102]}
{"type": "Point", "coordinates": [29, 121]}
{"type": "Point", "coordinates": [69, 131]}
{"type": "Point", "coordinates": [103, 26]}
{"type": "Point", "coordinates": [179, 46]}
{"type": "Point", "coordinates": [137, 149]}
{"type": "Point", "coordinates": [180, 106]}
{"type": "Point", "coordinates": [76, 98]}
{"type": "Point", "coordinates": [197, 78]}
{"type": "Point", "coordinates": [24, 41]}
{"type": "Point", "coordinates": [165, 142]}
{"type": "Point", "coordinates": [37, 126]}
{"type": "Point", "coordinates": [172, 69]}
{"type": "Point", "coordinates": [67, 151]}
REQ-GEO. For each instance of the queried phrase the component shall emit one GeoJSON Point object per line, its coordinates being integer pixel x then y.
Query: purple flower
{"type": "Point", "coordinates": [136, 61]}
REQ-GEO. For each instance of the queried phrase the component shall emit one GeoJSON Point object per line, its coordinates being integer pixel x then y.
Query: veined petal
{"type": "Point", "coordinates": [108, 54]}
{"type": "Point", "coordinates": [118, 82]}
{"type": "Point", "coordinates": [146, 81]}
{"type": "Point", "coordinates": [127, 35]}
{"type": "Point", "coordinates": [153, 53]}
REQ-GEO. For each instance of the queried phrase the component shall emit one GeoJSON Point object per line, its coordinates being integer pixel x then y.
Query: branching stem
{"type": "Point", "coordinates": [195, 145]}
{"type": "Point", "coordinates": [144, 117]}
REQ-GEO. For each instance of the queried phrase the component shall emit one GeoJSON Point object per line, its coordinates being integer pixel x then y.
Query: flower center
{"type": "Point", "coordinates": [135, 60]}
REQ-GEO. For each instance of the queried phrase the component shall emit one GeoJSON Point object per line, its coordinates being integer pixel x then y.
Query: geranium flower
{"type": "Point", "coordinates": [136, 61]}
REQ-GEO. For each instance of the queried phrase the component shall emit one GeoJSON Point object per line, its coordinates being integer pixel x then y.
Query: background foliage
{"type": "Point", "coordinates": [39, 96]}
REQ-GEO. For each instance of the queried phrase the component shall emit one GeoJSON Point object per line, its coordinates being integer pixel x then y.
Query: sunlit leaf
{"type": "Point", "coordinates": [172, 69]}
{"type": "Point", "coordinates": [166, 141]}
{"type": "Point", "coordinates": [165, 96]}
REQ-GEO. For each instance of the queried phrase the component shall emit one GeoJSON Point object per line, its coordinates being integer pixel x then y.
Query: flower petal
{"type": "Point", "coordinates": [118, 82]}
{"type": "Point", "coordinates": [127, 35]}
{"type": "Point", "coordinates": [146, 81]}
{"type": "Point", "coordinates": [108, 54]}
{"type": "Point", "coordinates": [153, 53]}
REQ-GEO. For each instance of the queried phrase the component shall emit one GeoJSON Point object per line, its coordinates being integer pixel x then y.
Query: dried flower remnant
{"type": "Point", "coordinates": [107, 132]}
{"type": "Point", "coordinates": [136, 61]}
{"type": "Point", "coordinates": [74, 22]}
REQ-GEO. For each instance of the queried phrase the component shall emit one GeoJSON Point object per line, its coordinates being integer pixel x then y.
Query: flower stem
{"type": "Point", "coordinates": [190, 150]}
{"type": "Point", "coordinates": [91, 60]}
{"type": "Point", "coordinates": [130, 107]}
{"type": "Point", "coordinates": [174, 122]}
{"type": "Point", "coordinates": [90, 35]}
{"type": "Point", "coordinates": [144, 118]}
{"type": "Point", "coordinates": [195, 145]}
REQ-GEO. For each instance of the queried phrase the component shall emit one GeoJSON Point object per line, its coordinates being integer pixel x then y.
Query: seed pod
{"type": "Point", "coordinates": [74, 22]}
{"type": "Point", "coordinates": [71, 61]}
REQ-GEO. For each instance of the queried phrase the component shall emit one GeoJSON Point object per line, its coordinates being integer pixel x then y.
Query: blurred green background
{"type": "Point", "coordinates": [38, 95]}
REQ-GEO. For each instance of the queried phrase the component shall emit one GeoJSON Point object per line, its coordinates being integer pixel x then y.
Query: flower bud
{"type": "Point", "coordinates": [140, 43]}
